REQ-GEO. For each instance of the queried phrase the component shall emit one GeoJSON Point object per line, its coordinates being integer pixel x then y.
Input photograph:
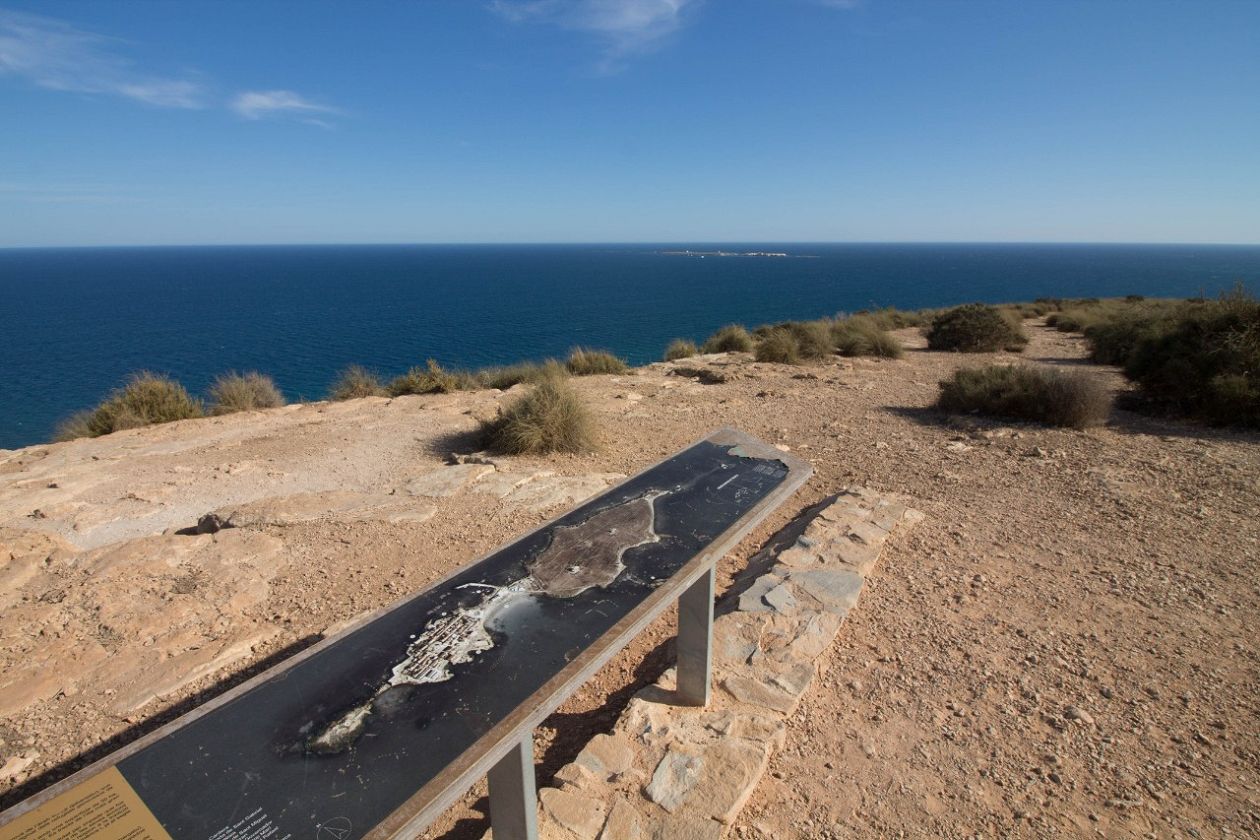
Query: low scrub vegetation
{"type": "Point", "coordinates": [355, 382]}
{"type": "Point", "coordinates": [794, 342]}
{"type": "Point", "coordinates": [862, 335]}
{"type": "Point", "coordinates": [730, 339]}
{"type": "Point", "coordinates": [583, 362]}
{"type": "Point", "coordinates": [1044, 395]}
{"type": "Point", "coordinates": [778, 345]}
{"type": "Point", "coordinates": [976, 328]}
{"type": "Point", "coordinates": [891, 318]}
{"type": "Point", "coordinates": [550, 417]}
{"type": "Point", "coordinates": [1198, 358]}
{"type": "Point", "coordinates": [507, 376]}
{"type": "Point", "coordinates": [431, 379]}
{"type": "Point", "coordinates": [680, 348]}
{"type": "Point", "coordinates": [249, 391]}
{"type": "Point", "coordinates": [1204, 361]}
{"type": "Point", "coordinates": [146, 399]}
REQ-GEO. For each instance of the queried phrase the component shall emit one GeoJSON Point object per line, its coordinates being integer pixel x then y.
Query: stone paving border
{"type": "Point", "coordinates": [677, 773]}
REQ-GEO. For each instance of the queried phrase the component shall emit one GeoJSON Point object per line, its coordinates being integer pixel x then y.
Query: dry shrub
{"type": "Point", "coordinates": [891, 318]}
{"type": "Point", "coordinates": [976, 328]}
{"type": "Point", "coordinates": [1044, 395]}
{"type": "Point", "coordinates": [146, 399]}
{"type": "Point", "coordinates": [730, 339]}
{"type": "Point", "coordinates": [249, 391]}
{"type": "Point", "coordinates": [862, 335]}
{"type": "Point", "coordinates": [1204, 361]}
{"type": "Point", "coordinates": [813, 339]}
{"type": "Point", "coordinates": [680, 348]}
{"type": "Point", "coordinates": [778, 345]}
{"type": "Point", "coordinates": [550, 417]}
{"type": "Point", "coordinates": [583, 362]}
{"type": "Point", "coordinates": [506, 376]}
{"type": "Point", "coordinates": [77, 425]}
{"type": "Point", "coordinates": [355, 382]}
{"type": "Point", "coordinates": [431, 379]}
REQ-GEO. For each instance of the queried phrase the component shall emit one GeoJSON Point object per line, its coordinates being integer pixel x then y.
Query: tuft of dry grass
{"type": "Point", "coordinates": [147, 398]}
{"type": "Point", "coordinates": [506, 376]}
{"type": "Point", "coordinates": [431, 379]}
{"type": "Point", "coordinates": [862, 335]}
{"type": "Point", "coordinates": [1058, 398]}
{"type": "Point", "coordinates": [248, 391]}
{"type": "Point", "coordinates": [778, 345]}
{"type": "Point", "coordinates": [680, 348]}
{"type": "Point", "coordinates": [355, 382]}
{"type": "Point", "coordinates": [730, 339]}
{"type": "Point", "coordinates": [77, 425]}
{"type": "Point", "coordinates": [584, 362]}
{"type": "Point", "coordinates": [550, 417]}
{"type": "Point", "coordinates": [813, 339]}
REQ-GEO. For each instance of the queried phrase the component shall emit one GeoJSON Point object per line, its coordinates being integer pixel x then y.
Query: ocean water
{"type": "Point", "coordinates": [75, 322]}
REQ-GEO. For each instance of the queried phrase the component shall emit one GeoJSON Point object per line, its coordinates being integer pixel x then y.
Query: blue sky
{"type": "Point", "coordinates": [628, 120]}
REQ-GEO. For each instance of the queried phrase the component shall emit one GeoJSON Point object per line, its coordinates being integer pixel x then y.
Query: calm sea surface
{"type": "Point", "coordinates": [75, 322]}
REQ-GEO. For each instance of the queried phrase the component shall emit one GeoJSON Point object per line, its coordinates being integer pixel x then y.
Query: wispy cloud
{"type": "Point", "coordinates": [57, 56]}
{"type": "Point", "coordinates": [261, 104]}
{"type": "Point", "coordinates": [626, 27]}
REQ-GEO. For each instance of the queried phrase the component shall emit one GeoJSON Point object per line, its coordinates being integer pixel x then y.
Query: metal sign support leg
{"type": "Point", "coordinates": [513, 801]}
{"type": "Point", "coordinates": [695, 641]}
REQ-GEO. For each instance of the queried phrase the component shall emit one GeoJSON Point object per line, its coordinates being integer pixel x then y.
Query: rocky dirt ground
{"type": "Point", "coordinates": [1065, 647]}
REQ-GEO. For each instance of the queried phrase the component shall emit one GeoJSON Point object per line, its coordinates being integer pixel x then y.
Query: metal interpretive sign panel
{"type": "Point", "coordinates": [378, 728]}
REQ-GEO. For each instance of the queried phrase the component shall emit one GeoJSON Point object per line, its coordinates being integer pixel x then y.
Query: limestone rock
{"type": "Point", "coordinates": [673, 779]}
{"type": "Point", "coordinates": [607, 756]}
{"type": "Point", "coordinates": [623, 822]}
{"type": "Point", "coordinates": [447, 481]}
{"type": "Point", "coordinates": [836, 590]}
{"type": "Point", "coordinates": [502, 484]}
{"type": "Point", "coordinates": [581, 815]}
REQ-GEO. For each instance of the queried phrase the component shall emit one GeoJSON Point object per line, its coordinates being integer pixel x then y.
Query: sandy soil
{"type": "Point", "coordinates": [1062, 648]}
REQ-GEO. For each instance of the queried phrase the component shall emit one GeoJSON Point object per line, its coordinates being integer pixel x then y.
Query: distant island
{"type": "Point", "coordinates": [734, 254]}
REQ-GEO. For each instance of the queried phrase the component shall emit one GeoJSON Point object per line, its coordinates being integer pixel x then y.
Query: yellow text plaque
{"type": "Point", "coordinates": [102, 808]}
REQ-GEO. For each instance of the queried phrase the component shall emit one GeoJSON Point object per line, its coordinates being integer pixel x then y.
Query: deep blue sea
{"type": "Point", "coordinates": [75, 322]}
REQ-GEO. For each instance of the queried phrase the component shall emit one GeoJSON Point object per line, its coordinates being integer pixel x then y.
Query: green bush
{"type": "Point", "coordinates": [861, 335]}
{"type": "Point", "coordinates": [730, 339]}
{"type": "Point", "coordinates": [1203, 360]}
{"type": "Point", "coordinates": [550, 417]}
{"type": "Point", "coordinates": [680, 348]}
{"type": "Point", "coordinates": [249, 391]}
{"type": "Point", "coordinates": [354, 382]}
{"type": "Point", "coordinates": [778, 345]}
{"type": "Point", "coordinates": [431, 379]}
{"type": "Point", "coordinates": [1055, 397]}
{"type": "Point", "coordinates": [583, 362]}
{"type": "Point", "coordinates": [976, 328]}
{"type": "Point", "coordinates": [146, 399]}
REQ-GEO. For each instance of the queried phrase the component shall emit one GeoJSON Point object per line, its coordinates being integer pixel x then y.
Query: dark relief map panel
{"type": "Point", "coordinates": [331, 746]}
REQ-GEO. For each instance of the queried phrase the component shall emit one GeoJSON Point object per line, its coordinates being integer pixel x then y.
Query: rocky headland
{"type": "Point", "coordinates": [1063, 645]}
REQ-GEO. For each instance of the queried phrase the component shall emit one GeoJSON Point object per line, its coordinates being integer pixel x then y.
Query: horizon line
{"type": "Point", "coordinates": [637, 243]}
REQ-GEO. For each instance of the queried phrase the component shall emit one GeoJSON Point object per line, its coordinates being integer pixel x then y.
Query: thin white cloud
{"type": "Point", "coordinates": [626, 27]}
{"type": "Point", "coordinates": [55, 55]}
{"type": "Point", "coordinates": [260, 104]}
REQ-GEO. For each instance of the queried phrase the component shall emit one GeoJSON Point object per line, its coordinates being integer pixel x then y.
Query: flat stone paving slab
{"type": "Point", "coordinates": [686, 773]}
